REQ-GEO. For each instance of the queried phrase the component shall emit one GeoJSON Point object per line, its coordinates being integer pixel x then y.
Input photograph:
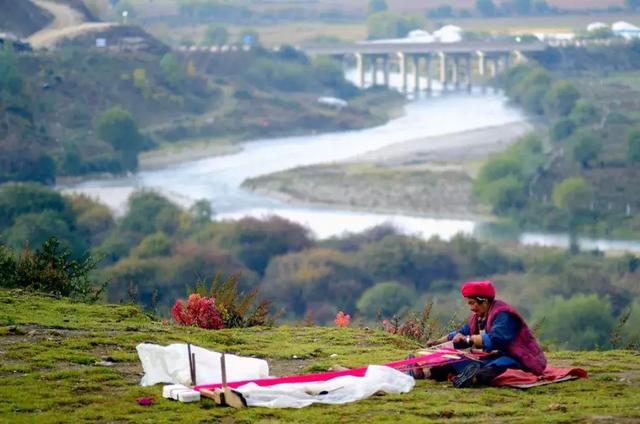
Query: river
{"type": "Point", "coordinates": [218, 179]}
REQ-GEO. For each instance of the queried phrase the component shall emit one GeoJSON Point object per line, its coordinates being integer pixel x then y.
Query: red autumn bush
{"type": "Point", "coordinates": [199, 311]}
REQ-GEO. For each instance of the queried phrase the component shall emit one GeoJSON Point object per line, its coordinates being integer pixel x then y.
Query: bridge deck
{"type": "Point", "coordinates": [423, 48]}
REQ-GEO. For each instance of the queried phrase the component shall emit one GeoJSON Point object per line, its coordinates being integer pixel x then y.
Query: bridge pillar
{"type": "Point", "coordinates": [507, 61]}
{"type": "Point", "coordinates": [443, 70]}
{"type": "Point", "coordinates": [493, 67]}
{"type": "Point", "coordinates": [415, 60]}
{"type": "Point", "coordinates": [360, 68]}
{"type": "Point", "coordinates": [385, 70]}
{"type": "Point", "coordinates": [404, 62]}
{"type": "Point", "coordinates": [374, 67]}
{"type": "Point", "coordinates": [469, 72]}
{"type": "Point", "coordinates": [455, 72]}
{"type": "Point", "coordinates": [482, 64]}
{"type": "Point", "coordinates": [427, 65]}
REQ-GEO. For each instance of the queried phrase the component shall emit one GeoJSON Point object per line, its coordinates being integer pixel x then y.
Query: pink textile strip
{"type": "Point", "coordinates": [432, 359]}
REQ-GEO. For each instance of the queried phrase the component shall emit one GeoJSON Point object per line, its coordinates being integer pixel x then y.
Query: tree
{"type": "Point", "coordinates": [154, 245]}
{"type": "Point", "coordinates": [585, 147]}
{"type": "Point", "coordinates": [486, 7]}
{"type": "Point", "coordinates": [392, 25]}
{"type": "Point", "coordinates": [572, 195]}
{"type": "Point", "coordinates": [172, 69]}
{"type": "Point", "coordinates": [633, 146]}
{"type": "Point", "coordinates": [216, 35]}
{"type": "Point", "coordinates": [376, 6]}
{"type": "Point", "coordinates": [21, 198]}
{"type": "Point", "coordinates": [561, 98]}
{"type": "Point", "coordinates": [149, 212]}
{"type": "Point", "coordinates": [580, 322]}
{"type": "Point", "coordinates": [585, 113]}
{"type": "Point", "coordinates": [118, 127]}
{"type": "Point", "coordinates": [561, 129]}
{"type": "Point", "coordinates": [201, 212]}
{"type": "Point", "coordinates": [388, 298]}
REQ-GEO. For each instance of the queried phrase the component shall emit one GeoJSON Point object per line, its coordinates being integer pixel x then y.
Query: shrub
{"type": "Point", "coordinates": [237, 309]}
{"type": "Point", "coordinates": [199, 311]}
{"type": "Point", "coordinates": [388, 298]}
{"type": "Point", "coordinates": [50, 270]}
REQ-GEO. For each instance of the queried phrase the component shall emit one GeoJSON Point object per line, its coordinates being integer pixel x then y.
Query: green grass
{"type": "Point", "coordinates": [50, 349]}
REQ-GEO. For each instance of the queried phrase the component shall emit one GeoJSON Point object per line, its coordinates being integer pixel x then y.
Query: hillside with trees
{"type": "Point", "coordinates": [153, 253]}
{"type": "Point", "coordinates": [80, 111]}
{"type": "Point", "coordinates": [582, 175]}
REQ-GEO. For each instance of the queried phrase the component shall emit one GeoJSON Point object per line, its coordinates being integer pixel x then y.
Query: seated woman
{"type": "Point", "coordinates": [496, 328]}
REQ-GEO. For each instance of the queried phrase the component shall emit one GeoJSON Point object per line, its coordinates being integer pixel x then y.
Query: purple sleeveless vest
{"type": "Point", "coordinates": [524, 347]}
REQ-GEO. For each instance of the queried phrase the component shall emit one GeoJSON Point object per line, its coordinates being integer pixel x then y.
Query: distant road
{"type": "Point", "coordinates": [67, 22]}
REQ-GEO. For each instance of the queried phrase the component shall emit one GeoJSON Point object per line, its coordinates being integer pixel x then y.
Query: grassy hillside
{"type": "Point", "coordinates": [72, 362]}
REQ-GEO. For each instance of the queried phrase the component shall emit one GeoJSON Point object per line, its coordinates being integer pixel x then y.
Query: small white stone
{"type": "Point", "coordinates": [333, 355]}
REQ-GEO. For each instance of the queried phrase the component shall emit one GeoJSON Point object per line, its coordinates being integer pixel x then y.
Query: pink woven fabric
{"type": "Point", "coordinates": [522, 379]}
{"type": "Point", "coordinates": [439, 357]}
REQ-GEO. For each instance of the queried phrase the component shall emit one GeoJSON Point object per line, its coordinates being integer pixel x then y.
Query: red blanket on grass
{"type": "Point", "coordinates": [524, 380]}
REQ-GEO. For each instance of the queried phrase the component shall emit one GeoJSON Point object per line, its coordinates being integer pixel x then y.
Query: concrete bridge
{"type": "Point", "coordinates": [454, 62]}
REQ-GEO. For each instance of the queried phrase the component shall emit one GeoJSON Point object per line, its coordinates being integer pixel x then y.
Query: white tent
{"type": "Point", "coordinates": [448, 34]}
{"type": "Point", "coordinates": [625, 29]}
{"type": "Point", "coordinates": [594, 26]}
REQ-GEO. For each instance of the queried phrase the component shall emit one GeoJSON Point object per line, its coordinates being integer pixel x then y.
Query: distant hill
{"type": "Point", "coordinates": [22, 18]}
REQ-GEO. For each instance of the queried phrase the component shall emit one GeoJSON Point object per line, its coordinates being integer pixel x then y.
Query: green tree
{"type": "Point", "coordinates": [486, 7]}
{"type": "Point", "coordinates": [585, 112]}
{"type": "Point", "coordinates": [118, 127]}
{"type": "Point", "coordinates": [50, 269]}
{"type": "Point", "coordinates": [585, 147]}
{"type": "Point", "coordinates": [34, 229]}
{"type": "Point", "coordinates": [633, 146]}
{"type": "Point", "coordinates": [561, 98]}
{"type": "Point", "coordinates": [201, 212]}
{"type": "Point", "coordinates": [149, 212]}
{"type": "Point", "coordinates": [580, 322]}
{"type": "Point", "coordinates": [152, 246]}
{"type": "Point", "coordinates": [216, 35]}
{"type": "Point", "coordinates": [172, 69]}
{"type": "Point", "coordinates": [388, 298]}
{"type": "Point", "coordinates": [11, 81]}
{"type": "Point", "coordinates": [572, 195]}
{"type": "Point", "coordinates": [505, 194]}
{"type": "Point", "coordinates": [376, 6]}
{"type": "Point", "coordinates": [392, 25]}
{"type": "Point", "coordinates": [562, 128]}
{"type": "Point", "coordinates": [21, 198]}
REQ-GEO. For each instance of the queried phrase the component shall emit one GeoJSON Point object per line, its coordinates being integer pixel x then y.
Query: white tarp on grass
{"type": "Point", "coordinates": [378, 378]}
{"type": "Point", "coordinates": [170, 364]}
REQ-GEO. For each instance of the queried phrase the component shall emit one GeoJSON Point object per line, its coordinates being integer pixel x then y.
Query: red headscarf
{"type": "Point", "coordinates": [478, 289]}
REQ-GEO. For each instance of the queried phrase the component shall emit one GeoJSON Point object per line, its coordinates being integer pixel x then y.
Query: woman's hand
{"type": "Point", "coordinates": [459, 338]}
{"type": "Point", "coordinates": [434, 342]}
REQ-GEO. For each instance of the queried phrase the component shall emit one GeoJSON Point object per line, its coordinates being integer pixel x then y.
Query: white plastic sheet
{"type": "Point", "coordinates": [170, 364]}
{"type": "Point", "coordinates": [335, 391]}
